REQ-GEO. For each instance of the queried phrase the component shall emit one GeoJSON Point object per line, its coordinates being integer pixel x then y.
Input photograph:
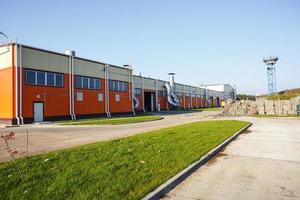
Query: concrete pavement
{"type": "Point", "coordinates": [48, 137]}
{"type": "Point", "coordinates": [263, 163]}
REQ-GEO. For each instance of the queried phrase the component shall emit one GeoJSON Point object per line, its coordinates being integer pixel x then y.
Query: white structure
{"type": "Point", "coordinates": [229, 92]}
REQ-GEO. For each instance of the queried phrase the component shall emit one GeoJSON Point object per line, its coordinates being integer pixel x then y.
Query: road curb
{"type": "Point", "coordinates": [178, 178]}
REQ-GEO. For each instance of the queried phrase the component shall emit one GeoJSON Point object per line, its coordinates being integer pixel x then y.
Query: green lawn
{"type": "Point", "coordinates": [127, 168]}
{"type": "Point", "coordinates": [113, 121]}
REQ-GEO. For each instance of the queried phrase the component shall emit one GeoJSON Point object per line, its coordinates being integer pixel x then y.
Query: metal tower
{"type": "Point", "coordinates": [271, 72]}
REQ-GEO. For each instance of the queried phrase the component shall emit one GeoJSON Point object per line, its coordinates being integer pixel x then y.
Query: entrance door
{"type": "Point", "coordinates": [38, 109]}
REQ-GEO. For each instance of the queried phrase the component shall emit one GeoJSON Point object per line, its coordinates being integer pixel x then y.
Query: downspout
{"type": "Point", "coordinates": [143, 93]}
{"type": "Point", "coordinates": [16, 88]}
{"type": "Point", "coordinates": [132, 91]}
{"type": "Point", "coordinates": [21, 87]}
{"type": "Point", "coordinates": [201, 98]}
{"type": "Point", "coordinates": [156, 95]}
{"type": "Point", "coordinates": [184, 100]}
{"type": "Point", "coordinates": [73, 90]}
{"type": "Point", "coordinates": [107, 90]}
{"type": "Point", "coordinates": [191, 98]}
{"type": "Point", "coordinates": [70, 88]}
{"type": "Point", "coordinates": [196, 93]}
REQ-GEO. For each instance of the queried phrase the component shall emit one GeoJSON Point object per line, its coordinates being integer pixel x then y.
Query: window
{"type": "Point", "coordinates": [30, 77]}
{"type": "Point", "coordinates": [40, 77]}
{"type": "Point", "coordinates": [78, 82]}
{"type": "Point", "coordinates": [100, 97]}
{"type": "Point", "coordinates": [125, 86]}
{"type": "Point", "coordinates": [59, 80]}
{"type": "Point", "coordinates": [91, 83]}
{"type": "Point", "coordinates": [179, 94]}
{"type": "Point", "coordinates": [117, 97]}
{"type": "Point", "coordinates": [50, 79]}
{"type": "Point", "coordinates": [87, 83]}
{"type": "Point", "coordinates": [79, 96]}
{"type": "Point", "coordinates": [138, 91]}
{"type": "Point", "coordinates": [97, 84]}
{"type": "Point", "coordinates": [118, 86]}
{"type": "Point", "coordinates": [44, 78]}
{"type": "Point", "coordinates": [161, 93]}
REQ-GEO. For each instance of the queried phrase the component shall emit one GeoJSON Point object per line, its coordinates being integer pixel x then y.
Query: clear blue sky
{"type": "Point", "coordinates": [202, 41]}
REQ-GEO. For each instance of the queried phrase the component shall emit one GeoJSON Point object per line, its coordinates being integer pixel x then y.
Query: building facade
{"type": "Point", "coordinates": [38, 85]}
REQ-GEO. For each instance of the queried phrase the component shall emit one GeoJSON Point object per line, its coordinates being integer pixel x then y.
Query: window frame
{"type": "Point", "coordinates": [118, 86]}
{"type": "Point", "coordinates": [45, 78]}
{"type": "Point", "coordinates": [89, 79]}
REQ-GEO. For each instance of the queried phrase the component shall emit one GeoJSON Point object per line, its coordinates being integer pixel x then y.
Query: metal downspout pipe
{"type": "Point", "coordinates": [106, 67]}
{"type": "Point", "coordinates": [196, 93]}
{"type": "Point", "coordinates": [156, 95]}
{"type": "Point", "coordinates": [73, 90]}
{"type": "Point", "coordinates": [105, 88]}
{"type": "Point", "coordinates": [70, 89]}
{"type": "Point", "coordinates": [16, 88]}
{"type": "Point", "coordinates": [184, 100]}
{"type": "Point", "coordinates": [132, 90]}
{"type": "Point", "coordinates": [21, 87]}
{"type": "Point", "coordinates": [143, 94]}
{"type": "Point", "coordinates": [191, 98]}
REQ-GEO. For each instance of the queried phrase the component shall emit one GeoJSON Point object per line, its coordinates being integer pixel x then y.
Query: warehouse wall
{"type": "Point", "coordinates": [6, 83]}
{"type": "Point", "coordinates": [56, 99]}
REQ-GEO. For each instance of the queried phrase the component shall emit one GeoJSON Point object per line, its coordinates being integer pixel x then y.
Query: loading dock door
{"type": "Point", "coordinates": [149, 101]}
{"type": "Point", "coordinates": [38, 112]}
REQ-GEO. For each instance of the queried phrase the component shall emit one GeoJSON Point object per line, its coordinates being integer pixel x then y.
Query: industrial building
{"type": "Point", "coordinates": [40, 85]}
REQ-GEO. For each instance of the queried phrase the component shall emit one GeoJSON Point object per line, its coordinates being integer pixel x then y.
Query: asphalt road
{"type": "Point", "coordinates": [48, 137]}
{"type": "Point", "coordinates": [263, 163]}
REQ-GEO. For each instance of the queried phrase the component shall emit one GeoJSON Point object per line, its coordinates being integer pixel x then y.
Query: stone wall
{"type": "Point", "coordinates": [262, 107]}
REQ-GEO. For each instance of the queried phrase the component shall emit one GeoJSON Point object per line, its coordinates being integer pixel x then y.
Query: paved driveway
{"type": "Point", "coordinates": [263, 163]}
{"type": "Point", "coordinates": [50, 137]}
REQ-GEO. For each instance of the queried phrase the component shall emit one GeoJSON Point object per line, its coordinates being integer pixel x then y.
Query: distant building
{"type": "Point", "coordinates": [228, 92]}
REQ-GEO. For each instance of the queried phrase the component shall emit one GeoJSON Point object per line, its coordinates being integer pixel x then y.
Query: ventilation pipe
{"type": "Point", "coordinates": [170, 87]}
{"type": "Point", "coordinates": [16, 88]}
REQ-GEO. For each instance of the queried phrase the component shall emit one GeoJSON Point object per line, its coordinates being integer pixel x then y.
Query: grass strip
{"type": "Point", "coordinates": [112, 121]}
{"type": "Point", "coordinates": [127, 168]}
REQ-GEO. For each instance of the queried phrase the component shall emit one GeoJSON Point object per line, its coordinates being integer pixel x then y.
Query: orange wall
{"type": "Point", "coordinates": [181, 100]}
{"type": "Point", "coordinates": [194, 104]}
{"type": "Point", "coordinates": [124, 105]}
{"type": "Point", "coordinates": [163, 102]}
{"type": "Point", "coordinates": [90, 103]}
{"type": "Point", "coordinates": [6, 93]}
{"type": "Point", "coordinates": [55, 99]}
